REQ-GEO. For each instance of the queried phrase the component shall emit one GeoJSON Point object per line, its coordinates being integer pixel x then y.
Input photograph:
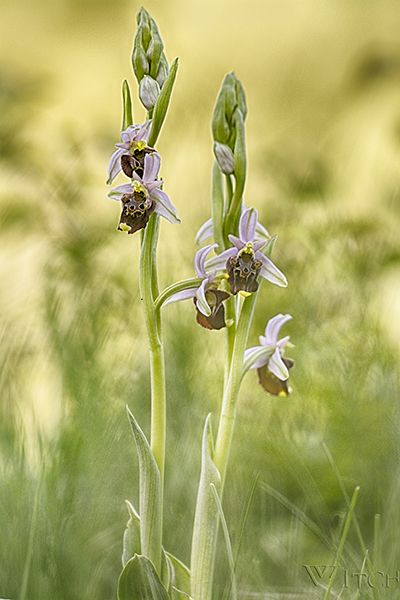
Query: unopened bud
{"type": "Point", "coordinates": [147, 48]}
{"type": "Point", "coordinates": [240, 97]}
{"type": "Point", "coordinates": [140, 63]}
{"type": "Point", "coordinates": [224, 156]}
{"type": "Point", "coordinates": [156, 49]}
{"type": "Point", "coordinates": [230, 98]}
{"type": "Point", "coordinates": [143, 30]}
{"type": "Point", "coordinates": [162, 71]}
{"type": "Point", "coordinates": [149, 90]}
{"type": "Point", "coordinates": [220, 125]}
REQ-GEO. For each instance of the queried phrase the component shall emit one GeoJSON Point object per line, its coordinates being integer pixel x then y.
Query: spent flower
{"type": "Point", "coordinates": [273, 368]}
{"type": "Point", "coordinates": [244, 262]}
{"type": "Point", "coordinates": [142, 197]}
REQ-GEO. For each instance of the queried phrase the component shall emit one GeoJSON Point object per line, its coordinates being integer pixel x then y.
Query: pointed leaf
{"type": "Point", "coordinates": [161, 106]}
{"type": "Point", "coordinates": [182, 575]}
{"type": "Point", "coordinates": [167, 574]}
{"type": "Point", "coordinates": [127, 106]}
{"type": "Point", "coordinates": [205, 528]}
{"type": "Point", "coordinates": [131, 545]}
{"type": "Point", "coordinates": [139, 581]}
{"type": "Point", "coordinates": [217, 206]}
{"type": "Point", "coordinates": [150, 496]}
{"type": "Point", "coordinates": [227, 541]}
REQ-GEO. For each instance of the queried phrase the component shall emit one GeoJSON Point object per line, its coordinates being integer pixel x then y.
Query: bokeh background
{"type": "Point", "coordinates": [322, 79]}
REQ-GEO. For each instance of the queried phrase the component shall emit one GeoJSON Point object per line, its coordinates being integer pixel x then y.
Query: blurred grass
{"type": "Point", "coordinates": [322, 81]}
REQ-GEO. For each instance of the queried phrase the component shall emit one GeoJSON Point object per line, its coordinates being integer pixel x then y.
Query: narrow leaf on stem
{"type": "Point", "coordinates": [127, 119]}
{"type": "Point", "coordinates": [161, 106]}
{"type": "Point", "coordinates": [227, 541]}
{"type": "Point", "coordinates": [205, 528]}
{"type": "Point", "coordinates": [131, 545]}
{"type": "Point", "coordinates": [217, 207]}
{"type": "Point", "coordinates": [150, 496]}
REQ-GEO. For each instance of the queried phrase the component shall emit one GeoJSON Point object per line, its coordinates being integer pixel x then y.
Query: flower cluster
{"type": "Point", "coordinates": [148, 60]}
{"type": "Point", "coordinates": [143, 196]}
{"type": "Point", "coordinates": [240, 266]}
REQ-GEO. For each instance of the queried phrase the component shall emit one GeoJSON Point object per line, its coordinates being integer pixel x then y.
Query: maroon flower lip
{"type": "Point", "coordinates": [215, 299]}
{"type": "Point", "coordinates": [142, 197]}
{"type": "Point", "coordinates": [136, 212]}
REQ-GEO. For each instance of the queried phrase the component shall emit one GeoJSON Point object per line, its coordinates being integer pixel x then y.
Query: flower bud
{"type": "Point", "coordinates": [148, 48]}
{"type": "Point", "coordinates": [220, 125]}
{"type": "Point", "coordinates": [224, 156]}
{"type": "Point", "coordinates": [149, 90]}
{"type": "Point", "coordinates": [156, 48]}
{"type": "Point", "coordinates": [240, 98]}
{"type": "Point", "coordinates": [230, 99]}
{"type": "Point", "coordinates": [162, 71]}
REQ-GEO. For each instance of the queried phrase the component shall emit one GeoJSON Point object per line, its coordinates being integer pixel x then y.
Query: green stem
{"type": "Point", "coordinates": [228, 411]}
{"type": "Point", "coordinates": [230, 332]}
{"type": "Point", "coordinates": [148, 290]}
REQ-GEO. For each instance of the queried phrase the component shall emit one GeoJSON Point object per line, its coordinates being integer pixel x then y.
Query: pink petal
{"type": "Point", "coordinates": [247, 224]}
{"type": "Point", "coordinates": [199, 260]}
{"type": "Point", "coordinates": [114, 166]}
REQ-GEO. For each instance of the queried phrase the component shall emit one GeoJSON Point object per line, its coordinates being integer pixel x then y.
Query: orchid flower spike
{"type": "Point", "coordinates": [130, 153]}
{"type": "Point", "coordinates": [273, 368]}
{"type": "Point", "coordinates": [207, 297]}
{"type": "Point", "coordinates": [142, 197]}
{"type": "Point", "coordinates": [244, 262]}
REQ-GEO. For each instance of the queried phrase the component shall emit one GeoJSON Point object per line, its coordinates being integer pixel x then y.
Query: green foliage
{"type": "Point", "coordinates": [180, 578]}
{"type": "Point", "coordinates": [131, 545]}
{"type": "Point", "coordinates": [150, 497]}
{"type": "Point", "coordinates": [127, 119]}
{"type": "Point", "coordinates": [205, 529]}
{"type": "Point", "coordinates": [161, 106]}
{"type": "Point", "coordinates": [139, 581]}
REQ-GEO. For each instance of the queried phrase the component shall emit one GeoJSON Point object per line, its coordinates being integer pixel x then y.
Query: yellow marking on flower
{"type": "Point", "coordinates": [138, 188]}
{"type": "Point", "coordinates": [125, 227]}
{"type": "Point", "coordinates": [247, 253]}
{"type": "Point", "coordinates": [244, 294]}
{"type": "Point", "coordinates": [138, 146]}
{"type": "Point", "coordinates": [229, 322]}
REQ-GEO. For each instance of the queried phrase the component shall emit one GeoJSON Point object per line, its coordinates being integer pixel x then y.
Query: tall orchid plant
{"type": "Point", "coordinates": [224, 293]}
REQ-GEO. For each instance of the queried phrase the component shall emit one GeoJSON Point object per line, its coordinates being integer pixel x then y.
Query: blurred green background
{"type": "Point", "coordinates": [322, 79]}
